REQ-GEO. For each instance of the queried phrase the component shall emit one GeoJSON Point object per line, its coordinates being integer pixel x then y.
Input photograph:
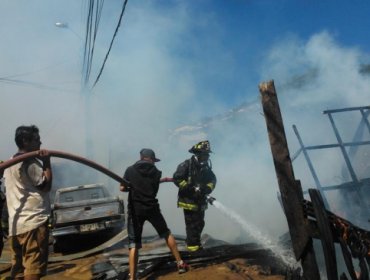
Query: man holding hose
{"type": "Point", "coordinates": [143, 205]}
{"type": "Point", "coordinates": [28, 184]}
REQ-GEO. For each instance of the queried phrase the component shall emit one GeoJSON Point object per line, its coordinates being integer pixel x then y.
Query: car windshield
{"type": "Point", "coordinates": [81, 194]}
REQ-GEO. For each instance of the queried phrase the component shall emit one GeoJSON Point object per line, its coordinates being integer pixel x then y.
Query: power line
{"type": "Point", "coordinates": [27, 83]}
{"type": "Point", "coordinates": [34, 71]}
{"type": "Point", "coordinates": [92, 25]}
{"type": "Point", "coordinates": [111, 43]}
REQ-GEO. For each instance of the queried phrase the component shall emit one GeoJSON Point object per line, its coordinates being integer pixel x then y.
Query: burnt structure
{"type": "Point", "coordinates": [308, 220]}
{"type": "Point", "coordinates": [355, 191]}
{"type": "Point", "coordinates": [157, 261]}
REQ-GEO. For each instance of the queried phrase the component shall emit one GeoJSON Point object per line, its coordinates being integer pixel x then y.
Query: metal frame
{"type": "Point", "coordinates": [355, 183]}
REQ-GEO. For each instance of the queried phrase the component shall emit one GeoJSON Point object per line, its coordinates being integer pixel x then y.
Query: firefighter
{"type": "Point", "coordinates": [195, 179]}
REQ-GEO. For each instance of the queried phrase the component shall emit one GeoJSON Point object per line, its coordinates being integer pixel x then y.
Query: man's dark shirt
{"type": "Point", "coordinates": [144, 178]}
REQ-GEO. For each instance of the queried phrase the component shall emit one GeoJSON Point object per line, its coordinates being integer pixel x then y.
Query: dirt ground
{"type": "Point", "coordinates": [231, 270]}
{"type": "Point", "coordinates": [80, 269]}
{"type": "Point", "coordinates": [236, 269]}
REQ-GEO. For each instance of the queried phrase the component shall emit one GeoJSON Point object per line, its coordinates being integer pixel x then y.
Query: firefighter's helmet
{"type": "Point", "coordinates": [201, 147]}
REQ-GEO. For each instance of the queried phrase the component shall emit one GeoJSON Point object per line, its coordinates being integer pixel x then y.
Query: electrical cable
{"type": "Point", "coordinates": [111, 43]}
{"type": "Point", "coordinates": [92, 26]}
{"type": "Point", "coordinates": [26, 83]}
{"type": "Point", "coordinates": [98, 13]}
{"type": "Point", "coordinates": [85, 61]}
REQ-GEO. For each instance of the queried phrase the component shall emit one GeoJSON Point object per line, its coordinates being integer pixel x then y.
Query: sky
{"type": "Point", "coordinates": [174, 63]}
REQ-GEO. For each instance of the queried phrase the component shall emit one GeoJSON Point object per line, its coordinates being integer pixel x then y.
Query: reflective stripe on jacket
{"type": "Point", "coordinates": [187, 206]}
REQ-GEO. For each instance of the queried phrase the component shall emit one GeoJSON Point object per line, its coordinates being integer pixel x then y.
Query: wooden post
{"type": "Point", "coordinates": [290, 189]}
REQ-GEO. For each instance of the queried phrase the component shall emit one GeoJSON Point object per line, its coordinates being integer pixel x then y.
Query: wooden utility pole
{"type": "Point", "coordinates": [290, 188]}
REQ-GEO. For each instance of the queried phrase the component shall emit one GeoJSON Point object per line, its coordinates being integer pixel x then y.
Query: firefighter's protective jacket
{"type": "Point", "coordinates": [194, 181]}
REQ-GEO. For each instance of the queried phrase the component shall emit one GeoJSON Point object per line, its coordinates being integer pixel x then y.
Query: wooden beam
{"type": "Point", "coordinates": [290, 188]}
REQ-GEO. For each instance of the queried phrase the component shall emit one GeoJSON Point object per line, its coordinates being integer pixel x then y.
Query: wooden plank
{"type": "Point", "coordinates": [290, 189]}
{"type": "Point", "coordinates": [327, 240]}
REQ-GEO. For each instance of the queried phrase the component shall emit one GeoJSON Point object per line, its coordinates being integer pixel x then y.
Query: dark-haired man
{"type": "Point", "coordinates": [144, 178]}
{"type": "Point", "coordinates": [195, 179]}
{"type": "Point", "coordinates": [28, 185]}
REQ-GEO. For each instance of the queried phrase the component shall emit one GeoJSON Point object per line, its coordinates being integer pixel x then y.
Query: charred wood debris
{"type": "Point", "coordinates": [158, 262]}
{"type": "Point", "coordinates": [308, 220]}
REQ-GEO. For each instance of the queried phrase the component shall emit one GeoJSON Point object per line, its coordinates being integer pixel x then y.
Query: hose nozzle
{"type": "Point", "coordinates": [210, 199]}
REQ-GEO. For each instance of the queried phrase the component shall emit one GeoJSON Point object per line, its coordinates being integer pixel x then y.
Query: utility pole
{"type": "Point", "coordinates": [86, 95]}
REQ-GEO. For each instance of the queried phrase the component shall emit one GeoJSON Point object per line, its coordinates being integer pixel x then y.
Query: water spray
{"type": "Point", "coordinates": [285, 255]}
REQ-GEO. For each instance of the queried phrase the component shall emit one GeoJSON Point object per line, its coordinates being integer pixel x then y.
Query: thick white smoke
{"type": "Point", "coordinates": [152, 85]}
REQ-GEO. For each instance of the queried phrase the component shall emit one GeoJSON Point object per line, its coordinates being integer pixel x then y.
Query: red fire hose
{"type": "Point", "coordinates": [59, 154]}
{"type": "Point", "coordinates": [166, 180]}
